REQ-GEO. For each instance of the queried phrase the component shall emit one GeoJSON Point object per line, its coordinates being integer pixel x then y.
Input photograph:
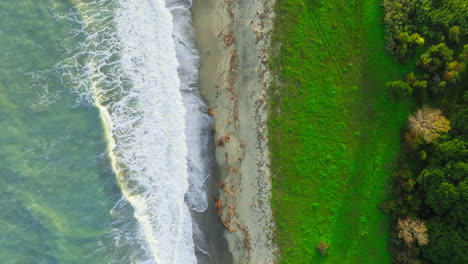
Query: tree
{"type": "Point", "coordinates": [451, 151]}
{"type": "Point", "coordinates": [416, 82]}
{"type": "Point", "coordinates": [399, 89]}
{"type": "Point", "coordinates": [427, 124]}
{"type": "Point", "coordinates": [448, 243]}
{"type": "Point", "coordinates": [412, 230]}
{"type": "Point", "coordinates": [416, 39]}
{"type": "Point", "coordinates": [397, 16]}
{"type": "Point", "coordinates": [430, 177]}
{"type": "Point", "coordinates": [408, 185]}
{"type": "Point", "coordinates": [454, 70]}
{"type": "Point", "coordinates": [323, 248]}
{"type": "Point", "coordinates": [464, 54]}
{"type": "Point", "coordinates": [435, 58]}
{"type": "Point", "coordinates": [407, 44]}
{"type": "Point", "coordinates": [443, 197]}
{"type": "Point", "coordinates": [454, 34]}
{"type": "Point", "coordinates": [460, 119]}
{"type": "Point", "coordinates": [444, 14]}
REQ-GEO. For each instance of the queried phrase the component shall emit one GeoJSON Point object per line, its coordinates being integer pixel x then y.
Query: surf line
{"type": "Point", "coordinates": [144, 124]}
{"type": "Point", "coordinates": [137, 63]}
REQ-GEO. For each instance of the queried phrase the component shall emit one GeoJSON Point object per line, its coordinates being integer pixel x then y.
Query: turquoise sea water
{"type": "Point", "coordinates": [98, 161]}
{"type": "Point", "coordinates": [59, 200]}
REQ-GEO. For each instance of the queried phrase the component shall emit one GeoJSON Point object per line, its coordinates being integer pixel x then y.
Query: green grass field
{"type": "Point", "coordinates": [333, 132]}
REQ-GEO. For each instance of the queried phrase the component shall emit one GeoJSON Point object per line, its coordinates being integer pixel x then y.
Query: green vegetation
{"type": "Point", "coordinates": [435, 190]}
{"type": "Point", "coordinates": [333, 132]}
{"type": "Point", "coordinates": [431, 184]}
{"type": "Point", "coordinates": [398, 89]}
{"type": "Point", "coordinates": [431, 19]}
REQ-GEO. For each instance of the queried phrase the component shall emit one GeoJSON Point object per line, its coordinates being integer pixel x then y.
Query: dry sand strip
{"type": "Point", "coordinates": [233, 39]}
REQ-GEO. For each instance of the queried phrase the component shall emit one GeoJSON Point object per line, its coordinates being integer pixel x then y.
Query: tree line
{"type": "Point", "coordinates": [430, 184]}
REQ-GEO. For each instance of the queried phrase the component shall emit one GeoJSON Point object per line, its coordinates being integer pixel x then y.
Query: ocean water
{"type": "Point", "coordinates": [104, 142]}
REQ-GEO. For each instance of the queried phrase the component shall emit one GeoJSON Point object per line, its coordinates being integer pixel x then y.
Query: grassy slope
{"type": "Point", "coordinates": [333, 134]}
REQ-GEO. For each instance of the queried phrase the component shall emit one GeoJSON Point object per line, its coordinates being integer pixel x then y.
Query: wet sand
{"type": "Point", "coordinates": [233, 39]}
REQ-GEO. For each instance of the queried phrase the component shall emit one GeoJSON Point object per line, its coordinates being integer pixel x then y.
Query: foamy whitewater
{"type": "Point", "coordinates": [137, 63]}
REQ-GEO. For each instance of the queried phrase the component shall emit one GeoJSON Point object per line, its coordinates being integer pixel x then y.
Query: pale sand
{"type": "Point", "coordinates": [233, 39]}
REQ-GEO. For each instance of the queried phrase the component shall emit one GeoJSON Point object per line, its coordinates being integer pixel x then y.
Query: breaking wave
{"type": "Point", "coordinates": [138, 65]}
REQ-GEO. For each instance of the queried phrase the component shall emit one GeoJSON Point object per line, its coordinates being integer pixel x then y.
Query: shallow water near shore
{"type": "Point", "coordinates": [60, 202]}
{"type": "Point", "coordinates": [105, 152]}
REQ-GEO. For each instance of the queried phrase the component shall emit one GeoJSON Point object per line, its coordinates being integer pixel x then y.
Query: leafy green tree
{"type": "Point", "coordinates": [446, 13]}
{"type": "Point", "coordinates": [458, 171]}
{"type": "Point", "coordinates": [464, 54]}
{"type": "Point", "coordinates": [422, 155]}
{"type": "Point", "coordinates": [454, 71]}
{"type": "Point", "coordinates": [397, 17]}
{"type": "Point", "coordinates": [460, 120]}
{"type": "Point", "coordinates": [450, 151]}
{"type": "Point", "coordinates": [408, 185]}
{"type": "Point", "coordinates": [442, 197]}
{"type": "Point", "coordinates": [417, 40]}
{"type": "Point", "coordinates": [399, 89]}
{"type": "Point", "coordinates": [430, 177]}
{"type": "Point", "coordinates": [407, 44]}
{"type": "Point", "coordinates": [420, 85]}
{"type": "Point", "coordinates": [448, 243]}
{"type": "Point", "coordinates": [417, 82]}
{"type": "Point", "coordinates": [435, 58]}
{"type": "Point", "coordinates": [454, 34]}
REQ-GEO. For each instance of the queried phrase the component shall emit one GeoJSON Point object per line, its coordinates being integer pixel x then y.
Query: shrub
{"type": "Point", "coordinates": [323, 248]}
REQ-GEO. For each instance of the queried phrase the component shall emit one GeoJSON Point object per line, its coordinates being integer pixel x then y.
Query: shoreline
{"type": "Point", "coordinates": [233, 38]}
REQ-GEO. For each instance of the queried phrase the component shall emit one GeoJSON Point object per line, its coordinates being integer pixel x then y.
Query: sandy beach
{"type": "Point", "coordinates": [233, 40]}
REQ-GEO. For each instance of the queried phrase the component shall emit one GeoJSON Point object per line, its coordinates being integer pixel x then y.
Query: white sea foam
{"type": "Point", "coordinates": [198, 122]}
{"type": "Point", "coordinates": [128, 67]}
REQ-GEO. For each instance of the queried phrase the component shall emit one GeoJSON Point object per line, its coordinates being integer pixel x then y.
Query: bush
{"type": "Point", "coordinates": [323, 248]}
